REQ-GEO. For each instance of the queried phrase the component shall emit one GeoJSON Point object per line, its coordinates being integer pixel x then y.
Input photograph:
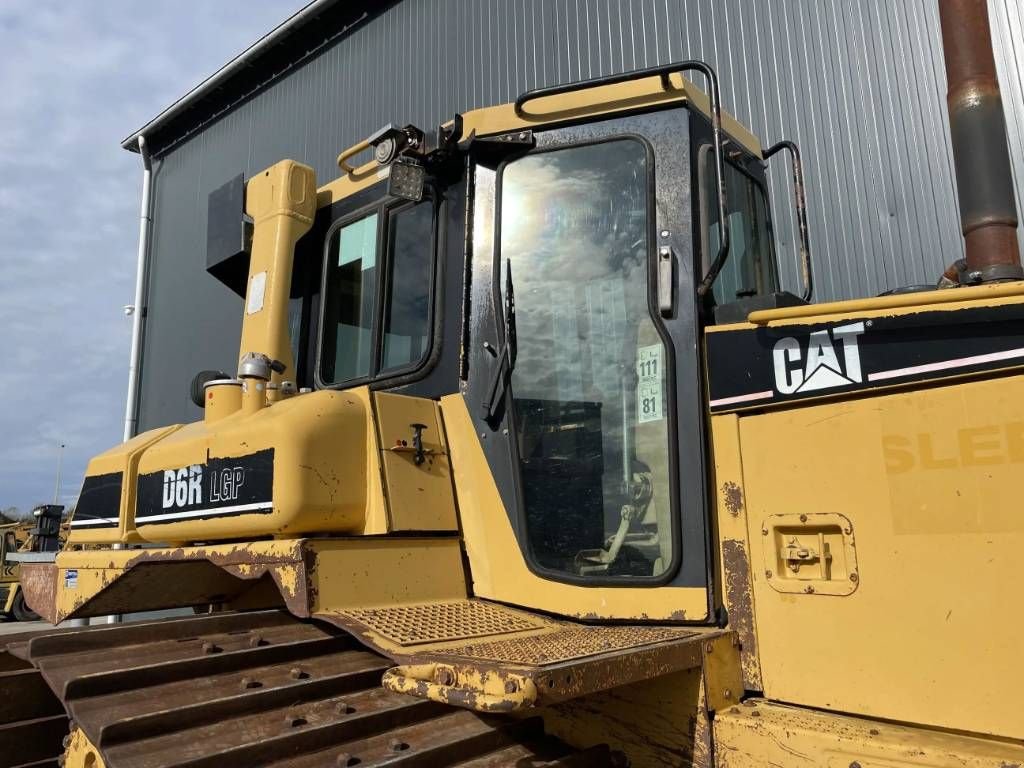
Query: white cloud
{"type": "Point", "coordinates": [76, 79]}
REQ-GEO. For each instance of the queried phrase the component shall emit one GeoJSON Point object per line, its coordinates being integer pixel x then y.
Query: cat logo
{"type": "Point", "coordinates": [821, 368]}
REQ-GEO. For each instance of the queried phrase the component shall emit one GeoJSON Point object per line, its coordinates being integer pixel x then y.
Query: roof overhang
{"type": "Point", "coordinates": [297, 39]}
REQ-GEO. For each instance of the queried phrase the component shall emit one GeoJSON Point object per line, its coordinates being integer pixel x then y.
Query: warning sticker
{"type": "Point", "coordinates": [257, 290]}
{"type": "Point", "coordinates": [649, 365]}
{"type": "Point", "coordinates": [71, 578]}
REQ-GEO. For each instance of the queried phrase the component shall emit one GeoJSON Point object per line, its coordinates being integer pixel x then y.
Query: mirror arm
{"type": "Point", "coordinates": [800, 202]}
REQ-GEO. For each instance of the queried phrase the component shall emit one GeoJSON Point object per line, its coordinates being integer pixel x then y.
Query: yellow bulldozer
{"type": "Point", "coordinates": [529, 461]}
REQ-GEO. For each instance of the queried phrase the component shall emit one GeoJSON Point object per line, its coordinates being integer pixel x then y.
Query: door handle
{"type": "Point", "coordinates": [666, 280]}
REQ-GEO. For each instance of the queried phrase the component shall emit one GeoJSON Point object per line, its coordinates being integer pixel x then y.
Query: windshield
{"type": "Point", "coordinates": [589, 383]}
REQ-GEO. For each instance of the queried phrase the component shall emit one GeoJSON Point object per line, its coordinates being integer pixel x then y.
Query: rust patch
{"type": "Point", "coordinates": [39, 583]}
{"type": "Point", "coordinates": [739, 600]}
{"type": "Point", "coordinates": [733, 495]}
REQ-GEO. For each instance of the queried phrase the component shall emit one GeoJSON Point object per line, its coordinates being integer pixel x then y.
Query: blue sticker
{"type": "Point", "coordinates": [71, 578]}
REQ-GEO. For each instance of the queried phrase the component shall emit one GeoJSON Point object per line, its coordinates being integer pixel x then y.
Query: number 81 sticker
{"type": "Point", "coordinates": [649, 362]}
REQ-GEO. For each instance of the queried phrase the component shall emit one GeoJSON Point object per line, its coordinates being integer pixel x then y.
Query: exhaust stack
{"type": "Point", "coordinates": [988, 210]}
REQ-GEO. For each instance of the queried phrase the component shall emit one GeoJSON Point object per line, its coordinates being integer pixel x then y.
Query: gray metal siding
{"type": "Point", "coordinates": [859, 84]}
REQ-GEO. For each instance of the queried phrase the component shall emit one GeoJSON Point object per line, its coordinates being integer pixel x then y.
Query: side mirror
{"type": "Point", "coordinates": [199, 382]}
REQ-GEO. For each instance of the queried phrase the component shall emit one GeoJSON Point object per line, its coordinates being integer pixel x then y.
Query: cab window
{"type": "Point", "coordinates": [750, 269]}
{"type": "Point", "coordinates": [377, 289]}
{"type": "Point", "coordinates": [590, 383]}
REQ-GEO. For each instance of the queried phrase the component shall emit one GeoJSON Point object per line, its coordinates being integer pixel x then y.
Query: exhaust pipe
{"type": "Point", "coordinates": [981, 156]}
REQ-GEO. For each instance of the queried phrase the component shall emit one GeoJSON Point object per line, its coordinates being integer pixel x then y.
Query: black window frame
{"type": "Point", "coordinates": [385, 210]}
{"type": "Point", "coordinates": [671, 405]}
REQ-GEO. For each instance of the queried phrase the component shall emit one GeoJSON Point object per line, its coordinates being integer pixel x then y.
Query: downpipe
{"type": "Point", "coordinates": [131, 414]}
{"type": "Point", "coordinates": [131, 411]}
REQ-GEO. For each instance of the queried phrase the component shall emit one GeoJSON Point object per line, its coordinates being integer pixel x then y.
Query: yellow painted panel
{"type": "Point", "coordinates": [497, 566]}
{"type": "Point", "coordinates": [374, 571]}
{"type": "Point", "coordinates": [419, 495]}
{"type": "Point", "coordinates": [929, 481]}
{"type": "Point", "coordinates": [762, 733]}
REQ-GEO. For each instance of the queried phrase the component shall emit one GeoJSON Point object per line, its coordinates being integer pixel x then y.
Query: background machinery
{"type": "Point", "coordinates": [44, 535]}
{"type": "Point", "coordinates": [529, 461]}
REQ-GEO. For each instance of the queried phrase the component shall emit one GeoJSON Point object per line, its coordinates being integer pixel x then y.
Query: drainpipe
{"type": "Point", "coordinates": [131, 414]}
{"type": "Point", "coordinates": [981, 156]}
{"type": "Point", "coordinates": [131, 411]}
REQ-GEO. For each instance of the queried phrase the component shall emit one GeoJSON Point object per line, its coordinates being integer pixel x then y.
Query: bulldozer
{"type": "Point", "coordinates": [530, 461]}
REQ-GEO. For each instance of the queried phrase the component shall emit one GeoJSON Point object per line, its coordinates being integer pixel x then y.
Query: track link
{"type": "Point", "coordinates": [247, 689]}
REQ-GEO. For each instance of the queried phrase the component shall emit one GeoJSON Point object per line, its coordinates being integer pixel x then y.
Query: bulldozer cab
{"type": "Point", "coordinates": [556, 271]}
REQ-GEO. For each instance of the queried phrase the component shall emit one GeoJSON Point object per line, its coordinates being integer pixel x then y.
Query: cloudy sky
{"type": "Point", "coordinates": [76, 78]}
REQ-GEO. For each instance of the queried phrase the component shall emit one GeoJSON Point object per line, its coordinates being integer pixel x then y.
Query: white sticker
{"type": "Point", "coordinates": [649, 363]}
{"type": "Point", "coordinates": [257, 287]}
{"type": "Point", "coordinates": [71, 578]}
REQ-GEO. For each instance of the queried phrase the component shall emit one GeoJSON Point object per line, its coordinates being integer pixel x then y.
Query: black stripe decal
{"type": "Point", "coordinates": [220, 487]}
{"type": "Point", "coordinates": [758, 367]}
{"type": "Point", "coordinates": [99, 503]}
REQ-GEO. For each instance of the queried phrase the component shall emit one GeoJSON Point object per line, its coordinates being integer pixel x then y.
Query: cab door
{"type": "Point", "coordinates": [579, 455]}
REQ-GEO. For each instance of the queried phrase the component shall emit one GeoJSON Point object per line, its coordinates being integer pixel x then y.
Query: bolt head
{"type": "Point", "coordinates": [854, 576]}
{"type": "Point", "coordinates": [803, 518]}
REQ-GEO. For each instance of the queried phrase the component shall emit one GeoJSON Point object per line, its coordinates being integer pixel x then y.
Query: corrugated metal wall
{"type": "Point", "coordinates": [859, 84]}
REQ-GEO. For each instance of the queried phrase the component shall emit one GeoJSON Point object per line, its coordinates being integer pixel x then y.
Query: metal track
{"type": "Point", "coordinates": [32, 720]}
{"type": "Point", "coordinates": [249, 689]}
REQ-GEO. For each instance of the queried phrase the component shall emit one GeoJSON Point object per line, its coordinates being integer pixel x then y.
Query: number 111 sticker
{"type": "Point", "coordinates": [649, 362]}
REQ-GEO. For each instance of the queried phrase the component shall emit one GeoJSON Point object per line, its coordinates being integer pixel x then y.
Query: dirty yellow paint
{"type": "Point", "coordinates": [734, 577]}
{"type": "Point", "coordinates": [281, 201]}
{"type": "Point", "coordinates": [605, 100]}
{"type": "Point", "coordinates": [419, 496]}
{"type": "Point", "coordinates": [80, 752]}
{"type": "Point", "coordinates": [938, 548]}
{"type": "Point", "coordinates": [371, 571]}
{"type": "Point", "coordinates": [311, 575]}
{"type": "Point", "coordinates": [761, 733]}
{"type": "Point", "coordinates": [497, 566]}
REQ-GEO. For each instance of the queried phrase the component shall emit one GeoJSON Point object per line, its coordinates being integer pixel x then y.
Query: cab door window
{"type": "Point", "coordinates": [589, 386]}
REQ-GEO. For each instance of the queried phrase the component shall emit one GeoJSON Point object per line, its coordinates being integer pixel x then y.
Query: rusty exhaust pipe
{"type": "Point", "coordinates": [981, 156]}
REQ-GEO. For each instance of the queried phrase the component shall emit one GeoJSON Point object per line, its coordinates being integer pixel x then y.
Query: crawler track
{"type": "Point", "coordinates": [251, 689]}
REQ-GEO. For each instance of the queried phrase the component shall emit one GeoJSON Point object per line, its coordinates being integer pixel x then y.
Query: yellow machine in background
{"type": "Point", "coordinates": [12, 600]}
{"type": "Point", "coordinates": [46, 534]}
{"type": "Point", "coordinates": [546, 469]}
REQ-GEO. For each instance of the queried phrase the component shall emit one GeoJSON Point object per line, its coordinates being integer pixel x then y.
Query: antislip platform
{"type": "Point", "coordinates": [493, 658]}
